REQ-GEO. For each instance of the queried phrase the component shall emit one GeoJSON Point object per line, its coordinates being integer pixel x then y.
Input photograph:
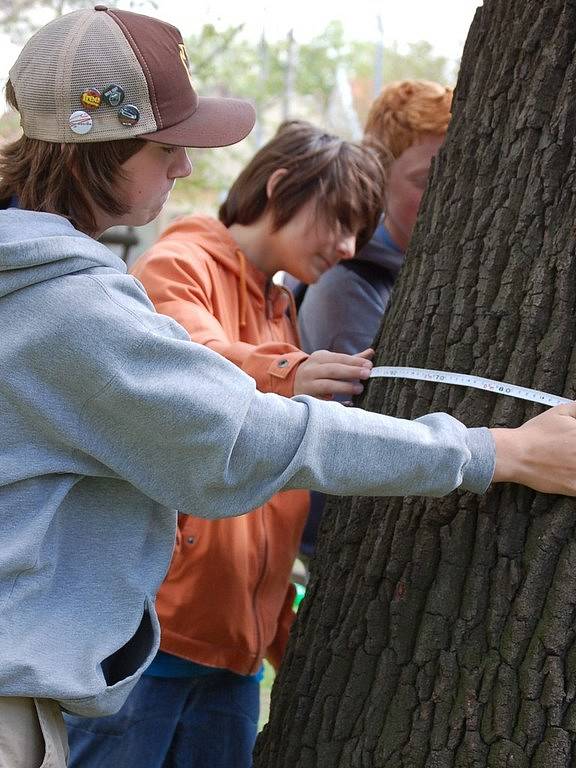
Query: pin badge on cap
{"type": "Point", "coordinates": [91, 98]}
{"type": "Point", "coordinates": [128, 115]}
{"type": "Point", "coordinates": [113, 95]}
{"type": "Point", "coordinates": [80, 122]}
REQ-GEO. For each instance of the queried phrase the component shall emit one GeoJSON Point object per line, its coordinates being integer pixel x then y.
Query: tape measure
{"type": "Point", "coordinates": [464, 380]}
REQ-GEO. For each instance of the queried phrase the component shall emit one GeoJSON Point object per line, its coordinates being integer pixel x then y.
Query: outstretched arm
{"type": "Point", "coordinates": [191, 431]}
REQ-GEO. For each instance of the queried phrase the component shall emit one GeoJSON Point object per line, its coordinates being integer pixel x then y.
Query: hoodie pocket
{"type": "Point", "coordinates": [131, 657]}
{"type": "Point", "coordinates": [122, 669]}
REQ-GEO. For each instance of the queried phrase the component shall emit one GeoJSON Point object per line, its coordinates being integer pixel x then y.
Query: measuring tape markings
{"type": "Point", "coordinates": [466, 380]}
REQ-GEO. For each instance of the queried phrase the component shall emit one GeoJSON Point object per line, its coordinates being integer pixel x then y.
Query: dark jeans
{"type": "Point", "coordinates": [208, 721]}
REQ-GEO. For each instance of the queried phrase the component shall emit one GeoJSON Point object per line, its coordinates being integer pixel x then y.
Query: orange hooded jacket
{"type": "Point", "coordinates": [226, 601]}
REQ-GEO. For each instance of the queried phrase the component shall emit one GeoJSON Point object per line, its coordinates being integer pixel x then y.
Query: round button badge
{"type": "Point", "coordinates": [80, 122]}
{"type": "Point", "coordinates": [128, 114]}
{"type": "Point", "coordinates": [91, 98]}
{"type": "Point", "coordinates": [113, 95]}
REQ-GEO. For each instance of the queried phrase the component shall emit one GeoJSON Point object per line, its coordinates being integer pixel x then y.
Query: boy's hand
{"type": "Point", "coordinates": [541, 453]}
{"type": "Point", "coordinates": [325, 373]}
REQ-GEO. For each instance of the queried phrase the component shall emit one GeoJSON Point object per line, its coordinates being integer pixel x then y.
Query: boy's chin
{"type": "Point", "coordinates": [144, 218]}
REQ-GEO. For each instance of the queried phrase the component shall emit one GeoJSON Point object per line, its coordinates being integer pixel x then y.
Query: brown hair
{"type": "Point", "coordinates": [345, 179]}
{"type": "Point", "coordinates": [67, 179]}
{"type": "Point", "coordinates": [404, 112]}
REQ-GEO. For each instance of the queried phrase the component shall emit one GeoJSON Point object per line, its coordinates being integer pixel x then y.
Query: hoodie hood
{"type": "Point", "coordinates": [383, 251]}
{"type": "Point", "coordinates": [253, 285]}
{"type": "Point", "coordinates": [211, 235]}
{"type": "Point", "coordinates": [35, 247]}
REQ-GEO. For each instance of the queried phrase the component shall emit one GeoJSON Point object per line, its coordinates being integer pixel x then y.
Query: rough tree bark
{"type": "Point", "coordinates": [441, 633]}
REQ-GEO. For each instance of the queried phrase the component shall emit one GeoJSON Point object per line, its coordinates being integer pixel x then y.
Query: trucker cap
{"type": "Point", "coordinates": [103, 74]}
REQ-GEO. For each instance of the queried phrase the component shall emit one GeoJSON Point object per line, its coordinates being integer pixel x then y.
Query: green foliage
{"type": "Point", "coordinates": [9, 125]}
{"type": "Point", "coordinates": [318, 63]}
{"type": "Point", "coordinates": [225, 64]}
{"type": "Point", "coordinates": [20, 18]}
{"type": "Point", "coordinates": [213, 170]}
{"type": "Point", "coordinates": [419, 62]}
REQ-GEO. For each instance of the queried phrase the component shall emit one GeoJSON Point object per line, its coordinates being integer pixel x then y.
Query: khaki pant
{"type": "Point", "coordinates": [32, 734]}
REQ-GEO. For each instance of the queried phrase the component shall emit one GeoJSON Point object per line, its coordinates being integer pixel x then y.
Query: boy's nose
{"type": "Point", "coordinates": [346, 246]}
{"type": "Point", "coordinates": [182, 166]}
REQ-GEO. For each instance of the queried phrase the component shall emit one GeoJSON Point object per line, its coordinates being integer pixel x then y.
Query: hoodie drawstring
{"type": "Point", "coordinates": [243, 299]}
{"type": "Point", "coordinates": [243, 294]}
{"type": "Point", "coordinates": [292, 313]}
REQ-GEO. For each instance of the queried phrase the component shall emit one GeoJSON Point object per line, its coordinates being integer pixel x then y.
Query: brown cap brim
{"type": "Point", "coordinates": [215, 123]}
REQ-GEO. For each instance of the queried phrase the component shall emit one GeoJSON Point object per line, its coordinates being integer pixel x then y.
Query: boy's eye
{"type": "Point", "coordinates": [169, 150]}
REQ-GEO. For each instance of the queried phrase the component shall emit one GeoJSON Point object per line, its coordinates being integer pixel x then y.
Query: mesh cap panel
{"type": "Point", "coordinates": [145, 57]}
{"type": "Point", "coordinates": [84, 49]}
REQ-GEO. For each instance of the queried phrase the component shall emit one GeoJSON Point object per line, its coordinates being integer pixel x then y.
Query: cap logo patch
{"type": "Point", "coordinates": [185, 61]}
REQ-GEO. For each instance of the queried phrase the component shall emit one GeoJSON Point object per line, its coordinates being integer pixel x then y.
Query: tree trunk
{"type": "Point", "coordinates": [440, 633]}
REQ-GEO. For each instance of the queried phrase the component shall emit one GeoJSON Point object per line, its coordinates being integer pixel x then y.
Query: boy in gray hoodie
{"type": "Point", "coordinates": [111, 418]}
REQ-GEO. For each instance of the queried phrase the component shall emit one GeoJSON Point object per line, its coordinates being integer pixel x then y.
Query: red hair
{"type": "Point", "coordinates": [404, 112]}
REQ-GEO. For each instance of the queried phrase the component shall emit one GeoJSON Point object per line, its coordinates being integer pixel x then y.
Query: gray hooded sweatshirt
{"type": "Point", "coordinates": [111, 419]}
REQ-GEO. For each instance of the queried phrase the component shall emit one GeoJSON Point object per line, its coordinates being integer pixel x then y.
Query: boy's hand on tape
{"type": "Point", "coordinates": [325, 374]}
{"type": "Point", "coordinates": [541, 453]}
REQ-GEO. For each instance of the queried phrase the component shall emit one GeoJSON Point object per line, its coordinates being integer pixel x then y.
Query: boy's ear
{"type": "Point", "coordinates": [273, 179]}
